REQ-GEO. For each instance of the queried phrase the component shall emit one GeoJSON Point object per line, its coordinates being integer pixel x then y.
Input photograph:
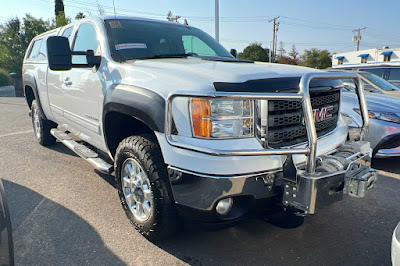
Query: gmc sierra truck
{"type": "Point", "coordinates": [190, 130]}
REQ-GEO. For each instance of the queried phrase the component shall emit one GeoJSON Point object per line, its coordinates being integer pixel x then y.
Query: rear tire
{"type": "Point", "coordinates": [42, 126]}
{"type": "Point", "coordinates": [143, 186]}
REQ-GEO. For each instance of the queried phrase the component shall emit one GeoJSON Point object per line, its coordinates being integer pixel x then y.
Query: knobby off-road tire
{"type": "Point", "coordinates": [42, 126]}
{"type": "Point", "coordinates": [144, 189]}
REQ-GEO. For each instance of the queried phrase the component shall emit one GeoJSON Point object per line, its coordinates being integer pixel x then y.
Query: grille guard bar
{"type": "Point", "coordinates": [304, 95]}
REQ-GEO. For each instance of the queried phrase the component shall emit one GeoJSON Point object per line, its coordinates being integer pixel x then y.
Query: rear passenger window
{"type": "Point", "coordinates": [35, 49]}
{"type": "Point", "coordinates": [43, 50]}
{"type": "Point", "coordinates": [67, 33]}
{"type": "Point", "coordinates": [394, 74]}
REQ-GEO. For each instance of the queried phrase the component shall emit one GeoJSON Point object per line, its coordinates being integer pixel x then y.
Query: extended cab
{"type": "Point", "coordinates": [190, 130]}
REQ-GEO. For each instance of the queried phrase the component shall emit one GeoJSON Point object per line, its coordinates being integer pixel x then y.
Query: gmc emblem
{"type": "Point", "coordinates": [322, 114]}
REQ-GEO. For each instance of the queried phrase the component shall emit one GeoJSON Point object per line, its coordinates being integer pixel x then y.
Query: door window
{"type": "Point", "coordinates": [86, 39]}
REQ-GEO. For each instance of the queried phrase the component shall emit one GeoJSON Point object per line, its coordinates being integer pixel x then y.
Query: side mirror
{"type": "Point", "coordinates": [234, 53]}
{"type": "Point", "coordinates": [92, 60]}
{"type": "Point", "coordinates": [59, 53]}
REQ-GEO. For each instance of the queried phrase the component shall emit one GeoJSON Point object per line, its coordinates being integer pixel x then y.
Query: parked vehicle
{"type": "Point", "coordinates": [384, 62]}
{"type": "Point", "coordinates": [188, 129]}
{"type": "Point", "coordinates": [375, 84]}
{"type": "Point", "coordinates": [6, 238]}
{"type": "Point", "coordinates": [384, 113]}
{"type": "Point", "coordinates": [389, 73]}
{"type": "Point", "coordinates": [396, 246]}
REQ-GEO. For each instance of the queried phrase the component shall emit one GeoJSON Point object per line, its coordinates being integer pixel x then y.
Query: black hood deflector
{"type": "Point", "coordinates": [274, 85]}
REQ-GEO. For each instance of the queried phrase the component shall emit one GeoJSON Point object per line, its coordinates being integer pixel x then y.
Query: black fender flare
{"type": "Point", "coordinates": [29, 79]}
{"type": "Point", "coordinates": [139, 103]}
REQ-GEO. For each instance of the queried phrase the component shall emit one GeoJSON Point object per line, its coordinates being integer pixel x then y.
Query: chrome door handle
{"type": "Point", "coordinates": [67, 82]}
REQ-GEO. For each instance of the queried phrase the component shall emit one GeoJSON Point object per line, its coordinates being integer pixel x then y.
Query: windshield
{"type": "Point", "coordinates": [381, 83]}
{"type": "Point", "coordinates": [136, 39]}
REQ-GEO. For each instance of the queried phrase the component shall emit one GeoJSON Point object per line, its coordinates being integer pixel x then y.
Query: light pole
{"type": "Point", "coordinates": [217, 20]}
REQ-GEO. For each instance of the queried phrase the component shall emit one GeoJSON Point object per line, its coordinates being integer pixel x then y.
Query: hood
{"type": "Point", "coordinates": [375, 102]}
{"type": "Point", "coordinates": [215, 71]}
{"type": "Point", "coordinates": [194, 74]}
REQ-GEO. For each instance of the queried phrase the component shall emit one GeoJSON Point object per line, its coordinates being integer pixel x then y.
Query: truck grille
{"type": "Point", "coordinates": [286, 119]}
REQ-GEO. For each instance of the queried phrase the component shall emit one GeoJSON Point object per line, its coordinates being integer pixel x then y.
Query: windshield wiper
{"type": "Point", "coordinates": [171, 56]}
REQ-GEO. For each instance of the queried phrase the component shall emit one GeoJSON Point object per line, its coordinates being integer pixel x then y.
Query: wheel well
{"type": "Point", "coordinates": [118, 126]}
{"type": "Point", "coordinates": [29, 95]}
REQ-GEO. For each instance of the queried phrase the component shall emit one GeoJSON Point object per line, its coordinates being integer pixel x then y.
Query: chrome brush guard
{"type": "Point", "coordinates": [303, 95]}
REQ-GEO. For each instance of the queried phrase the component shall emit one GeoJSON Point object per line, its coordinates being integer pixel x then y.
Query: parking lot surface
{"type": "Point", "coordinates": [63, 212]}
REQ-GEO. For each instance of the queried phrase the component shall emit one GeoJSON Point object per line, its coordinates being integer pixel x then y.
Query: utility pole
{"type": "Point", "coordinates": [357, 38]}
{"type": "Point", "coordinates": [217, 20]}
{"type": "Point", "coordinates": [274, 36]}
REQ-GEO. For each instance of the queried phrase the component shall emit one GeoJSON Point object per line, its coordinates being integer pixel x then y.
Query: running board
{"type": "Point", "coordinates": [83, 151]}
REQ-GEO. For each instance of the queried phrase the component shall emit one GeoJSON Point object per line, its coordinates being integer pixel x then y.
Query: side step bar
{"type": "Point", "coordinates": [83, 151]}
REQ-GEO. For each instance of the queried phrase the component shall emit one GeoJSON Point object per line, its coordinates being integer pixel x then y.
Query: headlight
{"type": "Point", "coordinates": [385, 116]}
{"type": "Point", "coordinates": [222, 118]}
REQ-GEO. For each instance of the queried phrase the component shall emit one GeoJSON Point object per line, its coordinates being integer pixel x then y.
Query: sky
{"type": "Point", "coordinates": [305, 23]}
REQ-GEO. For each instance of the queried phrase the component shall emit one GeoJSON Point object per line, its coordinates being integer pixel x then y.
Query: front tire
{"type": "Point", "coordinates": [143, 187]}
{"type": "Point", "coordinates": [42, 126]}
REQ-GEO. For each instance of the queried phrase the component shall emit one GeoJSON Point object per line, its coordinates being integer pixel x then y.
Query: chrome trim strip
{"type": "Point", "coordinates": [303, 94]}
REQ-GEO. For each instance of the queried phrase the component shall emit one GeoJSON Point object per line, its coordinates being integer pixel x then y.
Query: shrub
{"type": "Point", "coordinates": [5, 78]}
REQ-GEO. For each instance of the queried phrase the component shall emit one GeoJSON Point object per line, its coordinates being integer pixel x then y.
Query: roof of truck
{"type": "Point", "coordinates": [111, 17]}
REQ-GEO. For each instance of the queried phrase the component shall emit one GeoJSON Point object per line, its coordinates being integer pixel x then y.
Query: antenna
{"type": "Point", "coordinates": [115, 14]}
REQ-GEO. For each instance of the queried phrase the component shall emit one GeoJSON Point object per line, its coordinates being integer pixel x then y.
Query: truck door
{"type": "Point", "coordinates": [83, 89]}
{"type": "Point", "coordinates": [55, 88]}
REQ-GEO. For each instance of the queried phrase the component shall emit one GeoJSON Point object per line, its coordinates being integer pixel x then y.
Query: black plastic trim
{"type": "Point", "coordinates": [388, 142]}
{"type": "Point", "coordinates": [29, 80]}
{"type": "Point", "coordinates": [142, 104]}
{"type": "Point", "coordinates": [273, 85]}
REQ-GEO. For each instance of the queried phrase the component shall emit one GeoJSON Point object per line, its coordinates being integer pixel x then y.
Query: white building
{"type": "Point", "coordinates": [367, 58]}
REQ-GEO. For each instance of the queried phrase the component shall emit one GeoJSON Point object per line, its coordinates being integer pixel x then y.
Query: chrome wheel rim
{"type": "Point", "coordinates": [36, 122]}
{"type": "Point", "coordinates": [137, 190]}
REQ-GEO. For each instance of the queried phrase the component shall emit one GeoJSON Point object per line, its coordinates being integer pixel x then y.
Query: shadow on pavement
{"type": "Point", "coordinates": [61, 148]}
{"type": "Point", "coordinates": [46, 233]}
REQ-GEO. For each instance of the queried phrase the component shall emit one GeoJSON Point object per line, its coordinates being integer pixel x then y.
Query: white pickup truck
{"type": "Point", "coordinates": [190, 130]}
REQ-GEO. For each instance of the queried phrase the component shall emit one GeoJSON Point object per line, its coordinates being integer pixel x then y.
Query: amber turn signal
{"type": "Point", "coordinates": [201, 112]}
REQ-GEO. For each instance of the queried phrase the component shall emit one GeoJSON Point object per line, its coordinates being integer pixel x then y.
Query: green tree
{"type": "Point", "coordinates": [281, 50]}
{"type": "Point", "coordinates": [293, 52]}
{"type": "Point", "coordinates": [288, 60]}
{"type": "Point", "coordinates": [15, 37]}
{"type": "Point", "coordinates": [59, 7]}
{"type": "Point", "coordinates": [255, 52]}
{"type": "Point", "coordinates": [316, 58]}
{"type": "Point", "coordinates": [61, 20]}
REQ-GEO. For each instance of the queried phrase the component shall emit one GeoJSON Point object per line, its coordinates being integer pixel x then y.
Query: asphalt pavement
{"type": "Point", "coordinates": [65, 213]}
